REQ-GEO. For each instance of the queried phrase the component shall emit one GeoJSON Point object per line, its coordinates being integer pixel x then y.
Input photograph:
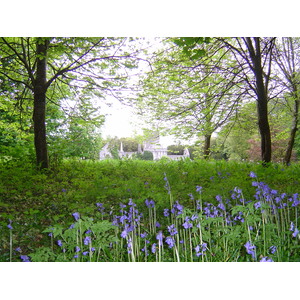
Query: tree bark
{"type": "Point", "coordinates": [206, 148]}
{"type": "Point", "coordinates": [39, 111]}
{"type": "Point", "coordinates": [262, 100]}
{"type": "Point", "coordinates": [294, 128]}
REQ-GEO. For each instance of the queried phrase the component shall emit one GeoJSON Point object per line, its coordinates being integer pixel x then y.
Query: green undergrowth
{"type": "Point", "coordinates": [35, 200]}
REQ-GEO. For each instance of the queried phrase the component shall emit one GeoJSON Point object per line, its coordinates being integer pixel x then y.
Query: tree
{"type": "Point", "coordinates": [36, 64]}
{"type": "Point", "coordinates": [255, 56]}
{"type": "Point", "coordinates": [287, 58]}
{"type": "Point", "coordinates": [187, 90]}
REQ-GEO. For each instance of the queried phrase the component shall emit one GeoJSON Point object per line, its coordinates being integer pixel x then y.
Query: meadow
{"type": "Point", "coordinates": [145, 211]}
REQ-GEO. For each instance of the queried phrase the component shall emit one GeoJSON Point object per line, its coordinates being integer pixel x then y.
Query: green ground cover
{"type": "Point", "coordinates": [149, 211]}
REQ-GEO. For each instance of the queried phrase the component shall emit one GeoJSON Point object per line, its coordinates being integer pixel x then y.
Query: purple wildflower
{"type": "Point", "coordinates": [200, 249]}
{"type": "Point", "coordinates": [272, 249]}
{"type": "Point", "coordinates": [250, 248]}
{"type": "Point", "coordinates": [266, 259]}
{"type": "Point", "coordinates": [77, 249]}
{"type": "Point", "coordinates": [194, 217]}
{"type": "Point", "coordinates": [166, 212]}
{"type": "Point", "coordinates": [87, 240]}
{"type": "Point", "coordinates": [76, 216]}
{"type": "Point", "coordinates": [198, 189]}
{"type": "Point", "coordinates": [159, 237]}
{"type": "Point", "coordinates": [124, 233]}
{"type": "Point", "coordinates": [257, 205]}
{"type": "Point", "coordinates": [9, 225]}
{"type": "Point", "coordinates": [18, 249]}
{"type": "Point", "coordinates": [252, 175]}
{"type": "Point", "coordinates": [172, 229]}
{"type": "Point", "coordinates": [25, 258]}
{"type": "Point", "coordinates": [186, 224]}
{"type": "Point", "coordinates": [153, 248]}
{"type": "Point", "coordinates": [59, 243]}
{"type": "Point", "coordinates": [149, 203]}
{"type": "Point", "coordinates": [170, 241]}
{"type": "Point", "coordinates": [143, 235]}
{"type": "Point", "coordinates": [191, 196]}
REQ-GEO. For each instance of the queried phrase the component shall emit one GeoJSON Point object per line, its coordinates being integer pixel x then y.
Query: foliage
{"type": "Point", "coordinates": [34, 201]}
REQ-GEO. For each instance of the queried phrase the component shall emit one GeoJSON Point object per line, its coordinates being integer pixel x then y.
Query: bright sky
{"type": "Point", "coordinates": [122, 122]}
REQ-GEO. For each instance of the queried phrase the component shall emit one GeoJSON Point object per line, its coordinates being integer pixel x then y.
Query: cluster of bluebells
{"type": "Point", "coordinates": [200, 249]}
{"type": "Point", "coordinates": [129, 220]}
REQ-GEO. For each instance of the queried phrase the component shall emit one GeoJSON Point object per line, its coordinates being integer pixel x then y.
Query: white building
{"type": "Point", "coordinates": [153, 145]}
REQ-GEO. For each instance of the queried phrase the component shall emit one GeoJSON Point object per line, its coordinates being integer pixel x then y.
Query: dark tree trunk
{"type": "Point", "coordinates": [262, 100]}
{"type": "Point", "coordinates": [39, 111]}
{"type": "Point", "coordinates": [206, 148]}
{"type": "Point", "coordinates": [291, 141]}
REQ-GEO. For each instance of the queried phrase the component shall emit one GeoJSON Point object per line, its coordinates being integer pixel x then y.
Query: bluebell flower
{"type": "Point", "coordinates": [77, 249]}
{"type": "Point", "coordinates": [59, 243]}
{"type": "Point", "coordinates": [194, 217]}
{"type": "Point", "coordinates": [129, 246]}
{"type": "Point", "coordinates": [221, 206]}
{"type": "Point", "coordinates": [153, 248]}
{"type": "Point", "coordinates": [272, 249]}
{"type": "Point", "coordinates": [252, 175]}
{"type": "Point", "coordinates": [250, 248]}
{"type": "Point", "coordinates": [9, 225]}
{"type": "Point", "coordinates": [187, 225]}
{"type": "Point", "coordinates": [157, 224]}
{"type": "Point", "coordinates": [124, 233]}
{"type": "Point", "coordinates": [296, 232]}
{"type": "Point", "coordinates": [143, 235]}
{"type": "Point", "coordinates": [122, 219]}
{"type": "Point", "coordinates": [191, 196]}
{"type": "Point", "coordinates": [25, 258]}
{"type": "Point", "coordinates": [257, 205]}
{"type": "Point", "coordinates": [71, 226]}
{"type": "Point", "coordinates": [18, 249]}
{"type": "Point", "coordinates": [172, 229]}
{"type": "Point", "coordinates": [75, 256]}
{"type": "Point", "coordinates": [166, 212]}
{"type": "Point", "coordinates": [266, 259]}
{"type": "Point", "coordinates": [198, 205]}
{"type": "Point", "coordinates": [93, 249]}
{"type": "Point", "coordinates": [88, 231]}
{"type": "Point", "coordinates": [85, 253]}
{"type": "Point", "coordinates": [87, 240]}
{"type": "Point", "coordinates": [131, 203]}
{"type": "Point", "coordinates": [159, 237]}
{"type": "Point", "coordinates": [177, 208]}
{"type": "Point", "coordinates": [200, 249]}
{"type": "Point", "coordinates": [237, 190]}
{"type": "Point", "coordinates": [149, 203]}
{"type": "Point", "coordinates": [218, 198]}
{"type": "Point", "coordinates": [170, 241]}
{"type": "Point", "coordinates": [63, 190]}
{"type": "Point", "coordinates": [76, 216]}
{"type": "Point", "coordinates": [294, 229]}
{"type": "Point", "coordinates": [199, 189]}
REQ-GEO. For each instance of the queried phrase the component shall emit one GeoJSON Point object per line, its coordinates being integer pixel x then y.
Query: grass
{"type": "Point", "coordinates": [170, 211]}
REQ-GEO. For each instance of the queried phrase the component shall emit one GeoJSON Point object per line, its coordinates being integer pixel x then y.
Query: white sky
{"type": "Point", "coordinates": [121, 121]}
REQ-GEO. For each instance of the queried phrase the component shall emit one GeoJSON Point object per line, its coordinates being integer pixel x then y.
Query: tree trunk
{"type": "Point", "coordinates": [39, 111]}
{"type": "Point", "coordinates": [291, 141]}
{"type": "Point", "coordinates": [262, 100]}
{"type": "Point", "coordinates": [206, 148]}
